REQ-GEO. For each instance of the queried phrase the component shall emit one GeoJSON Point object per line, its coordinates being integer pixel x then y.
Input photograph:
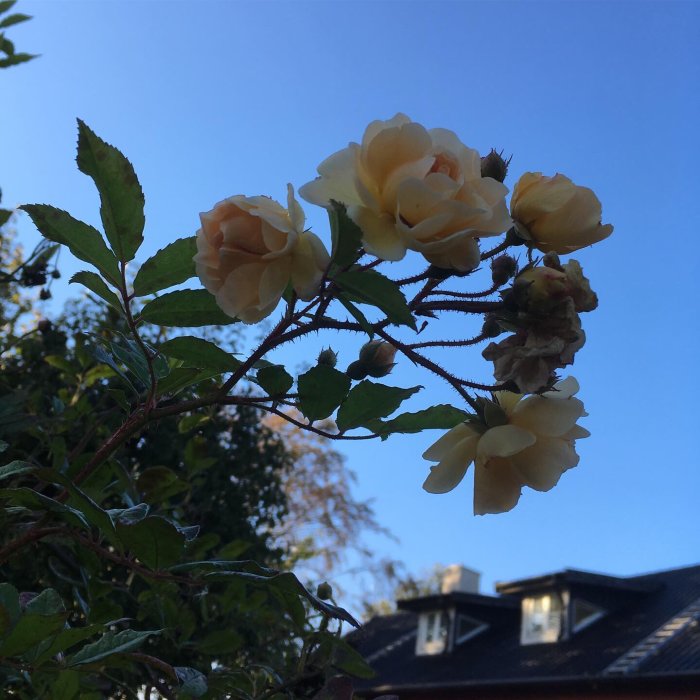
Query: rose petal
{"type": "Point", "coordinates": [503, 441]}
{"type": "Point", "coordinates": [380, 236]}
{"type": "Point", "coordinates": [496, 486]}
{"type": "Point", "coordinates": [547, 417]}
{"type": "Point", "coordinates": [450, 471]}
{"type": "Point", "coordinates": [439, 449]}
{"type": "Point", "coordinates": [542, 464]}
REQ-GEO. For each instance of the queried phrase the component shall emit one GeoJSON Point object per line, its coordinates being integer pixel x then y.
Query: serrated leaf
{"type": "Point", "coordinates": [356, 314]}
{"type": "Point", "coordinates": [169, 266]}
{"type": "Point", "coordinates": [84, 241]}
{"type": "Point", "coordinates": [28, 498]}
{"type": "Point", "coordinates": [97, 286]}
{"type": "Point", "coordinates": [110, 643]}
{"type": "Point", "coordinates": [121, 197]}
{"type": "Point", "coordinates": [192, 682]}
{"type": "Point", "coordinates": [48, 602]}
{"type": "Point", "coordinates": [368, 401]}
{"type": "Point", "coordinates": [15, 469]}
{"type": "Point", "coordinates": [154, 540]}
{"type": "Point", "coordinates": [441, 417]}
{"type": "Point", "coordinates": [197, 352]}
{"type": "Point", "coordinates": [346, 236]}
{"type": "Point", "coordinates": [64, 640]}
{"type": "Point", "coordinates": [275, 380]}
{"type": "Point", "coordinates": [182, 377]}
{"type": "Point", "coordinates": [321, 390]}
{"type": "Point", "coordinates": [94, 514]}
{"type": "Point", "coordinates": [31, 629]}
{"type": "Point", "coordinates": [10, 20]}
{"type": "Point", "coordinates": [15, 59]}
{"type": "Point", "coordinates": [371, 287]}
{"type": "Point", "coordinates": [350, 661]}
{"type": "Point", "coordinates": [185, 308]}
{"type": "Point", "coordinates": [129, 516]}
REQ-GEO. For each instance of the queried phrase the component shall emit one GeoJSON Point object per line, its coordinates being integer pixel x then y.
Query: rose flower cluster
{"type": "Point", "coordinates": [408, 188]}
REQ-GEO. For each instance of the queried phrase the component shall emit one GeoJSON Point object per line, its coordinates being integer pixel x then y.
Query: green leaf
{"type": "Point", "coordinates": [9, 607]}
{"type": "Point", "coordinates": [28, 498]}
{"type": "Point", "coordinates": [275, 380]}
{"type": "Point", "coordinates": [321, 390]}
{"type": "Point", "coordinates": [97, 286]}
{"type": "Point", "coordinates": [15, 468]}
{"type": "Point", "coordinates": [368, 401]}
{"type": "Point", "coordinates": [154, 540]}
{"type": "Point", "coordinates": [346, 236]}
{"type": "Point", "coordinates": [110, 643]}
{"type": "Point", "coordinates": [84, 241]}
{"type": "Point", "coordinates": [94, 514]}
{"type": "Point", "coordinates": [66, 686]}
{"type": "Point", "coordinates": [48, 602]}
{"type": "Point", "coordinates": [185, 308]}
{"type": "Point", "coordinates": [196, 352]}
{"type": "Point", "coordinates": [169, 266]}
{"type": "Point", "coordinates": [6, 5]}
{"type": "Point", "coordinates": [13, 19]}
{"type": "Point", "coordinates": [15, 59]}
{"type": "Point", "coordinates": [159, 483]}
{"type": "Point", "coordinates": [5, 215]}
{"type": "Point", "coordinates": [120, 192]}
{"type": "Point", "coordinates": [371, 287]}
{"type": "Point", "coordinates": [441, 417]}
{"type": "Point", "coordinates": [182, 377]}
{"type": "Point", "coordinates": [357, 315]}
{"type": "Point", "coordinates": [30, 630]}
{"type": "Point", "coordinates": [192, 682]}
{"type": "Point", "coordinates": [64, 640]}
{"type": "Point", "coordinates": [129, 516]}
{"type": "Point", "coordinates": [350, 661]}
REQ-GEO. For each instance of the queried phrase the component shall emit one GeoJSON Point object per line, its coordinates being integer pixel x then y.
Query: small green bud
{"type": "Point", "coordinates": [378, 357]}
{"type": "Point", "coordinates": [495, 166]}
{"type": "Point", "coordinates": [327, 357]}
{"type": "Point", "coordinates": [324, 591]}
{"type": "Point", "coordinates": [491, 328]}
{"type": "Point", "coordinates": [45, 294]}
{"type": "Point", "coordinates": [356, 370]}
{"type": "Point", "coordinates": [503, 268]}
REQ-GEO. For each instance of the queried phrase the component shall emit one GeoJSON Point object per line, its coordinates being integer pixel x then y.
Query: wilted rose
{"type": "Point", "coordinates": [251, 248]}
{"type": "Point", "coordinates": [407, 187]}
{"type": "Point", "coordinates": [554, 214]}
{"type": "Point", "coordinates": [543, 306]}
{"type": "Point", "coordinates": [532, 444]}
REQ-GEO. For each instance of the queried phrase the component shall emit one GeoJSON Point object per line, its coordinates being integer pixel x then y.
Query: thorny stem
{"type": "Point", "coordinates": [463, 306]}
{"type": "Point", "coordinates": [31, 535]}
{"type": "Point", "coordinates": [469, 295]}
{"type": "Point", "coordinates": [448, 343]}
{"type": "Point", "coordinates": [500, 248]}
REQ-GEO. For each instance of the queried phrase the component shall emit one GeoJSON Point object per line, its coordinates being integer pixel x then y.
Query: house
{"type": "Point", "coordinates": [570, 634]}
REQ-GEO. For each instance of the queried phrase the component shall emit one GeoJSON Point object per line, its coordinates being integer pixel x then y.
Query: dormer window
{"type": "Point", "coordinates": [433, 632]}
{"type": "Point", "coordinates": [584, 614]}
{"type": "Point", "coordinates": [467, 627]}
{"type": "Point", "coordinates": [541, 619]}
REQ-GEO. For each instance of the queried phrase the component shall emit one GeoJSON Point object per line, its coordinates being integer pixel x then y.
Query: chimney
{"type": "Point", "coordinates": [459, 579]}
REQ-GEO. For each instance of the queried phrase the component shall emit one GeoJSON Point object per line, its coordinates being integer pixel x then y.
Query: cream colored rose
{"type": "Point", "coordinates": [555, 215]}
{"type": "Point", "coordinates": [531, 445]}
{"type": "Point", "coordinates": [251, 248]}
{"type": "Point", "coordinates": [407, 187]}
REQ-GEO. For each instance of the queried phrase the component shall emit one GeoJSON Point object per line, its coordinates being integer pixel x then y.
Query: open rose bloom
{"type": "Point", "coordinates": [555, 215]}
{"type": "Point", "coordinates": [408, 187]}
{"type": "Point", "coordinates": [251, 248]}
{"type": "Point", "coordinates": [532, 447]}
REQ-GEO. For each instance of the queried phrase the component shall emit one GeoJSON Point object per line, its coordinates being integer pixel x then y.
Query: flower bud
{"type": "Point", "coordinates": [378, 357]}
{"type": "Point", "coordinates": [45, 294]}
{"type": "Point", "coordinates": [56, 274]}
{"type": "Point", "coordinates": [491, 328]}
{"type": "Point", "coordinates": [324, 591]}
{"type": "Point", "coordinates": [327, 357]}
{"type": "Point", "coordinates": [495, 166]}
{"type": "Point", "coordinates": [356, 370]}
{"type": "Point", "coordinates": [503, 268]}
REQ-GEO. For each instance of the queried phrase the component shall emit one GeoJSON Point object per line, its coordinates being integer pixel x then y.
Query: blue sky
{"type": "Point", "coordinates": [212, 99]}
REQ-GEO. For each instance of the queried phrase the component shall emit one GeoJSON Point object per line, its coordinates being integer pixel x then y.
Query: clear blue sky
{"type": "Point", "coordinates": [211, 99]}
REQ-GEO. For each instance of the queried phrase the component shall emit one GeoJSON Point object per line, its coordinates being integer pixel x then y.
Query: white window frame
{"type": "Point", "coordinates": [430, 624]}
{"type": "Point", "coordinates": [552, 616]}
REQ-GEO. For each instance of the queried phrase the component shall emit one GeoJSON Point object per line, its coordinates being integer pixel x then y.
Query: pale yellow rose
{"type": "Point", "coordinates": [532, 446]}
{"type": "Point", "coordinates": [408, 187]}
{"type": "Point", "coordinates": [251, 248]}
{"type": "Point", "coordinates": [554, 214]}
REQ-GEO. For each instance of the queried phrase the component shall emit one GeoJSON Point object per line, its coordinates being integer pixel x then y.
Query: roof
{"type": "Point", "coordinates": [637, 608]}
